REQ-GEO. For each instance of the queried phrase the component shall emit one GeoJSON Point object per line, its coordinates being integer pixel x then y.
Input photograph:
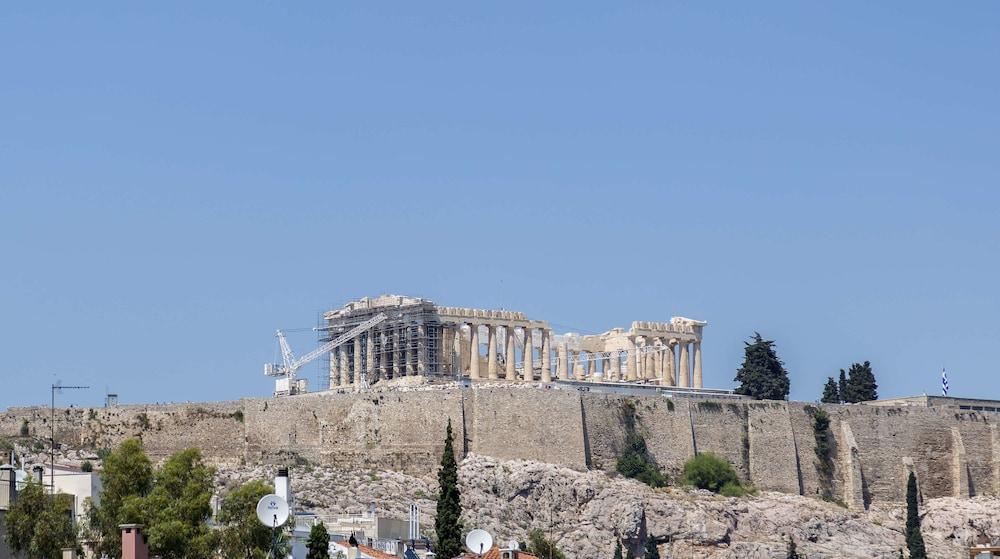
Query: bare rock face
{"type": "Point", "coordinates": [585, 513]}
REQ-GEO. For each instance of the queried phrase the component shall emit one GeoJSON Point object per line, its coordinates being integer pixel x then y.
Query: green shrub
{"type": "Point", "coordinates": [732, 490]}
{"type": "Point", "coordinates": [238, 415]}
{"type": "Point", "coordinates": [87, 466]}
{"type": "Point", "coordinates": [142, 420]}
{"type": "Point", "coordinates": [636, 463]}
{"type": "Point", "coordinates": [708, 471]}
{"type": "Point", "coordinates": [91, 414]}
{"type": "Point", "coordinates": [24, 427]}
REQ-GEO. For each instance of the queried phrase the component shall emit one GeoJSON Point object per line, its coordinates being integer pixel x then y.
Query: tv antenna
{"type": "Point", "coordinates": [58, 386]}
{"type": "Point", "coordinates": [479, 541]}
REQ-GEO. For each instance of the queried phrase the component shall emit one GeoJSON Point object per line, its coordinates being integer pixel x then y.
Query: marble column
{"type": "Point", "coordinates": [383, 354]}
{"type": "Point", "coordinates": [357, 361]}
{"type": "Point", "coordinates": [464, 352]}
{"type": "Point", "coordinates": [509, 364]}
{"type": "Point", "coordinates": [345, 367]}
{"type": "Point", "coordinates": [578, 366]}
{"type": "Point", "coordinates": [474, 351]}
{"type": "Point", "coordinates": [334, 368]}
{"type": "Point", "coordinates": [411, 350]}
{"type": "Point", "coordinates": [457, 342]}
{"type": "Point", "coordinates": [671, 363]}
{"type": "Point", "coordinates": [697, 365]}
{"type": "Point", "coordinates": [591, 365]}
{"type": "Point", "coordinates": [546, 360]}
{"type": "Point", "coordinates": [684, 370]}
{"type": "Point", "coordinates": [630, 368]}
{"type": "Point", "coordinates": [491, 352]}
{"type": "Point", "coordinates": [397, 352]}
{"type": "Point", "coordinates": [421, 349]}
{"type": "Point", "coordinates": [616, 366]}
{"type": "Point", "coordinates": [370, 356]}
{"type": "Point", "coordinates": [562, 358]}
{"type": "Point", "coordinates": [447, 340]}
{"type": "Point", "coordinates": [529, 357]}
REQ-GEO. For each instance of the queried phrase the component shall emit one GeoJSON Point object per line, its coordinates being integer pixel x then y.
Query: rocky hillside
{"type": "Point", "coordinates": [586, 512]}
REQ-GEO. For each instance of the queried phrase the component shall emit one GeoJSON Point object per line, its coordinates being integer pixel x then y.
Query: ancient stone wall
{"type": "Point", "coordinates": [772, 444]}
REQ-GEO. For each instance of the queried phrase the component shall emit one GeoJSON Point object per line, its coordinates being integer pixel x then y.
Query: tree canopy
{"type": "Point", "coordinates": [319, 542]}
{"type": "Point", "coordinates": [856, 385]}
{"type": "Point", "coordinates": [242, 535]}
{"type": "Point", "coordinates": [447, 522]}
{"type": "Point", "coordinates": [762, 375]}
{"type": "Point", "coordinates": [541, 546]}
{"type": "Point", "coordinates": [38, 524]}
{"type": "Point", "coordinates": [173, 502]}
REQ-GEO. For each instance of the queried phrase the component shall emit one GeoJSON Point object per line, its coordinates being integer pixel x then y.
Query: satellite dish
{"type": "Point", "coordinates": [479, 541]}
{"type": "Point", "coordinates": [272, 511]}
{"type": "Point", "coordinates": [513, 545]}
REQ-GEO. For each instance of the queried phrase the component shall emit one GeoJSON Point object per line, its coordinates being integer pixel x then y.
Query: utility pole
{"type": "Point", "coordinates": [52, 441]}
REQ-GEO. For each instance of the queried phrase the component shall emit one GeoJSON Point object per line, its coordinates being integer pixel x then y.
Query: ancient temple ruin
{"type": "Point", "coordinates": [421, 338]}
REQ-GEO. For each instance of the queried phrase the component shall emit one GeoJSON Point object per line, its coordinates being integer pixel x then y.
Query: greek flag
{"type": "Point", "coordinates": [944, 383]}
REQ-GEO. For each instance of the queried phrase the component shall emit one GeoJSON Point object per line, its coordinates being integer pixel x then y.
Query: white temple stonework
{"type": "Point", "coordinates": [421, 338]}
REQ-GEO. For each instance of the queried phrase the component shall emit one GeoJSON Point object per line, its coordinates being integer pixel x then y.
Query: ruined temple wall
{"type": "Point", "coordinates": [401, 431]}
{"type": "Point", "coordinates": [665, 426]}
{"type": "Point", "coordinates": [529, 425]}
{"type": "Point", "coordinates": [216, 428]}
{"type": "Point", "coordinates": [773, 459]}
{"type": "Point", "coordinates": [720, 427]}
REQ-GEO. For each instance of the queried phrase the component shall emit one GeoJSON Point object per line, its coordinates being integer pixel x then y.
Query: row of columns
{"type": "Point", "coordinates": [415, 349]}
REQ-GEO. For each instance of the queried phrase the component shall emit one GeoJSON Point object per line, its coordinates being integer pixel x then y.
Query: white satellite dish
{"type": "Point", "coordinates": [479, 541]}
{"type": "Point", "coordinates": [513, 545]}
{"type": "Point", "coordinates": [272, 511]}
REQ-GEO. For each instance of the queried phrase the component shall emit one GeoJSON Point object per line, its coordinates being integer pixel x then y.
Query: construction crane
{"type": "Point", "coordinates": [289, 365]}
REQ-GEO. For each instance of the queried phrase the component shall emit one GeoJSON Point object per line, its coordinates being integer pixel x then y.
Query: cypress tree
{"type": "Point", "coordinates": [914, 539]}
{"type": "Point", "coordinates": [831, 393]}
{"type": "Point", "coordinates": [447, 523]}
{"type": "Point", "coordinates": [842, 387]}
{"type": "Point", "coordinates": [618, 550]}
{"type": "Point", "coordinates": [762, 375]}
{"type": "Point", "coordinates": [319, 542]}
{"type": "Point", "coordinates": [861, 385]}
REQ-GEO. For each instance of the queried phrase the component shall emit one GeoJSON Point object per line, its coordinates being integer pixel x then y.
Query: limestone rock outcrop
{"type": "Point", "coordinates": [586, 512]}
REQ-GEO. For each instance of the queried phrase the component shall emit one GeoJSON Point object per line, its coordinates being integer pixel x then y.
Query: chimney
{"type": "Point", "coordinates": [134, 542]}
{"type": "Point", "coordinates": [283, 487]}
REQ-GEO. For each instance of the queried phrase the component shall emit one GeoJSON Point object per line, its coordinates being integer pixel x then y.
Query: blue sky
{"type": "Point", "coordinates": [177, 181]}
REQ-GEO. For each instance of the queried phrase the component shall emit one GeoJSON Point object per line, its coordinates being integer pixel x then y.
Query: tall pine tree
{"type": "Point", "coordinates": [914, 538]}
{"type": "Point", "coordinates": [762, 375]}
{"type": "Point", "coordinates": [842, 387]}
{"type": "Point", "coordinates": [618, 550]}
{"type": "Point", "coordinates": [447, 523]}
{"type": "Point", "coordinates": [831, 393]}
{"type": "Point", "coordinates": [861, 386]}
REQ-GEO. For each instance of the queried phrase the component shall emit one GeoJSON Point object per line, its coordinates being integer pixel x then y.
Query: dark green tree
{"type": "Point", "coordinates": [319, 542]}
{"type": "Point", "coordinates": [914, 538]}
{"type": "Point", "coordinates": [127, 477]}
{"type": "Point", "coordinates": [636, 463]}
{"type": "Point", "coordinates": [243, 536]}
{"type": "Point", "coordinates": [861, 386]}
{"type": "Point", "coordinates": [792, 552]}
{"type": "Point", "coordinates": [762, 375]}
{"type": "Point", "coordinates": [177, 509]}
{"type": "Point", "coordinates": [842, 387]}
{"type": "Point", "coordinates": [39, 525]}
{"type": "Point", "coordinates": [831, 393]}
{"type": "Point", "coordinates": [447, 522]}
{"type": "Point", "coordinates": [651, 551]}
{"type": "Point", "coordinates": [618, 550]}
{"type": "Point", "coordinates": [541, 546]}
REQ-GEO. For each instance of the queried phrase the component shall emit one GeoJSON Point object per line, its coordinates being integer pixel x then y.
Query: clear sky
{"type": "Point", "coordinates": [178, 180]}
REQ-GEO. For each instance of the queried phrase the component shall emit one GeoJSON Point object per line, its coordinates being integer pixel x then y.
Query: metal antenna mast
{"type": "Point", "coordinates": [52, 441]}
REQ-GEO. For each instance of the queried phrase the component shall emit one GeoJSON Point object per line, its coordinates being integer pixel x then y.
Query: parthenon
{"type": "Point", "coordinates": [421, 338]}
